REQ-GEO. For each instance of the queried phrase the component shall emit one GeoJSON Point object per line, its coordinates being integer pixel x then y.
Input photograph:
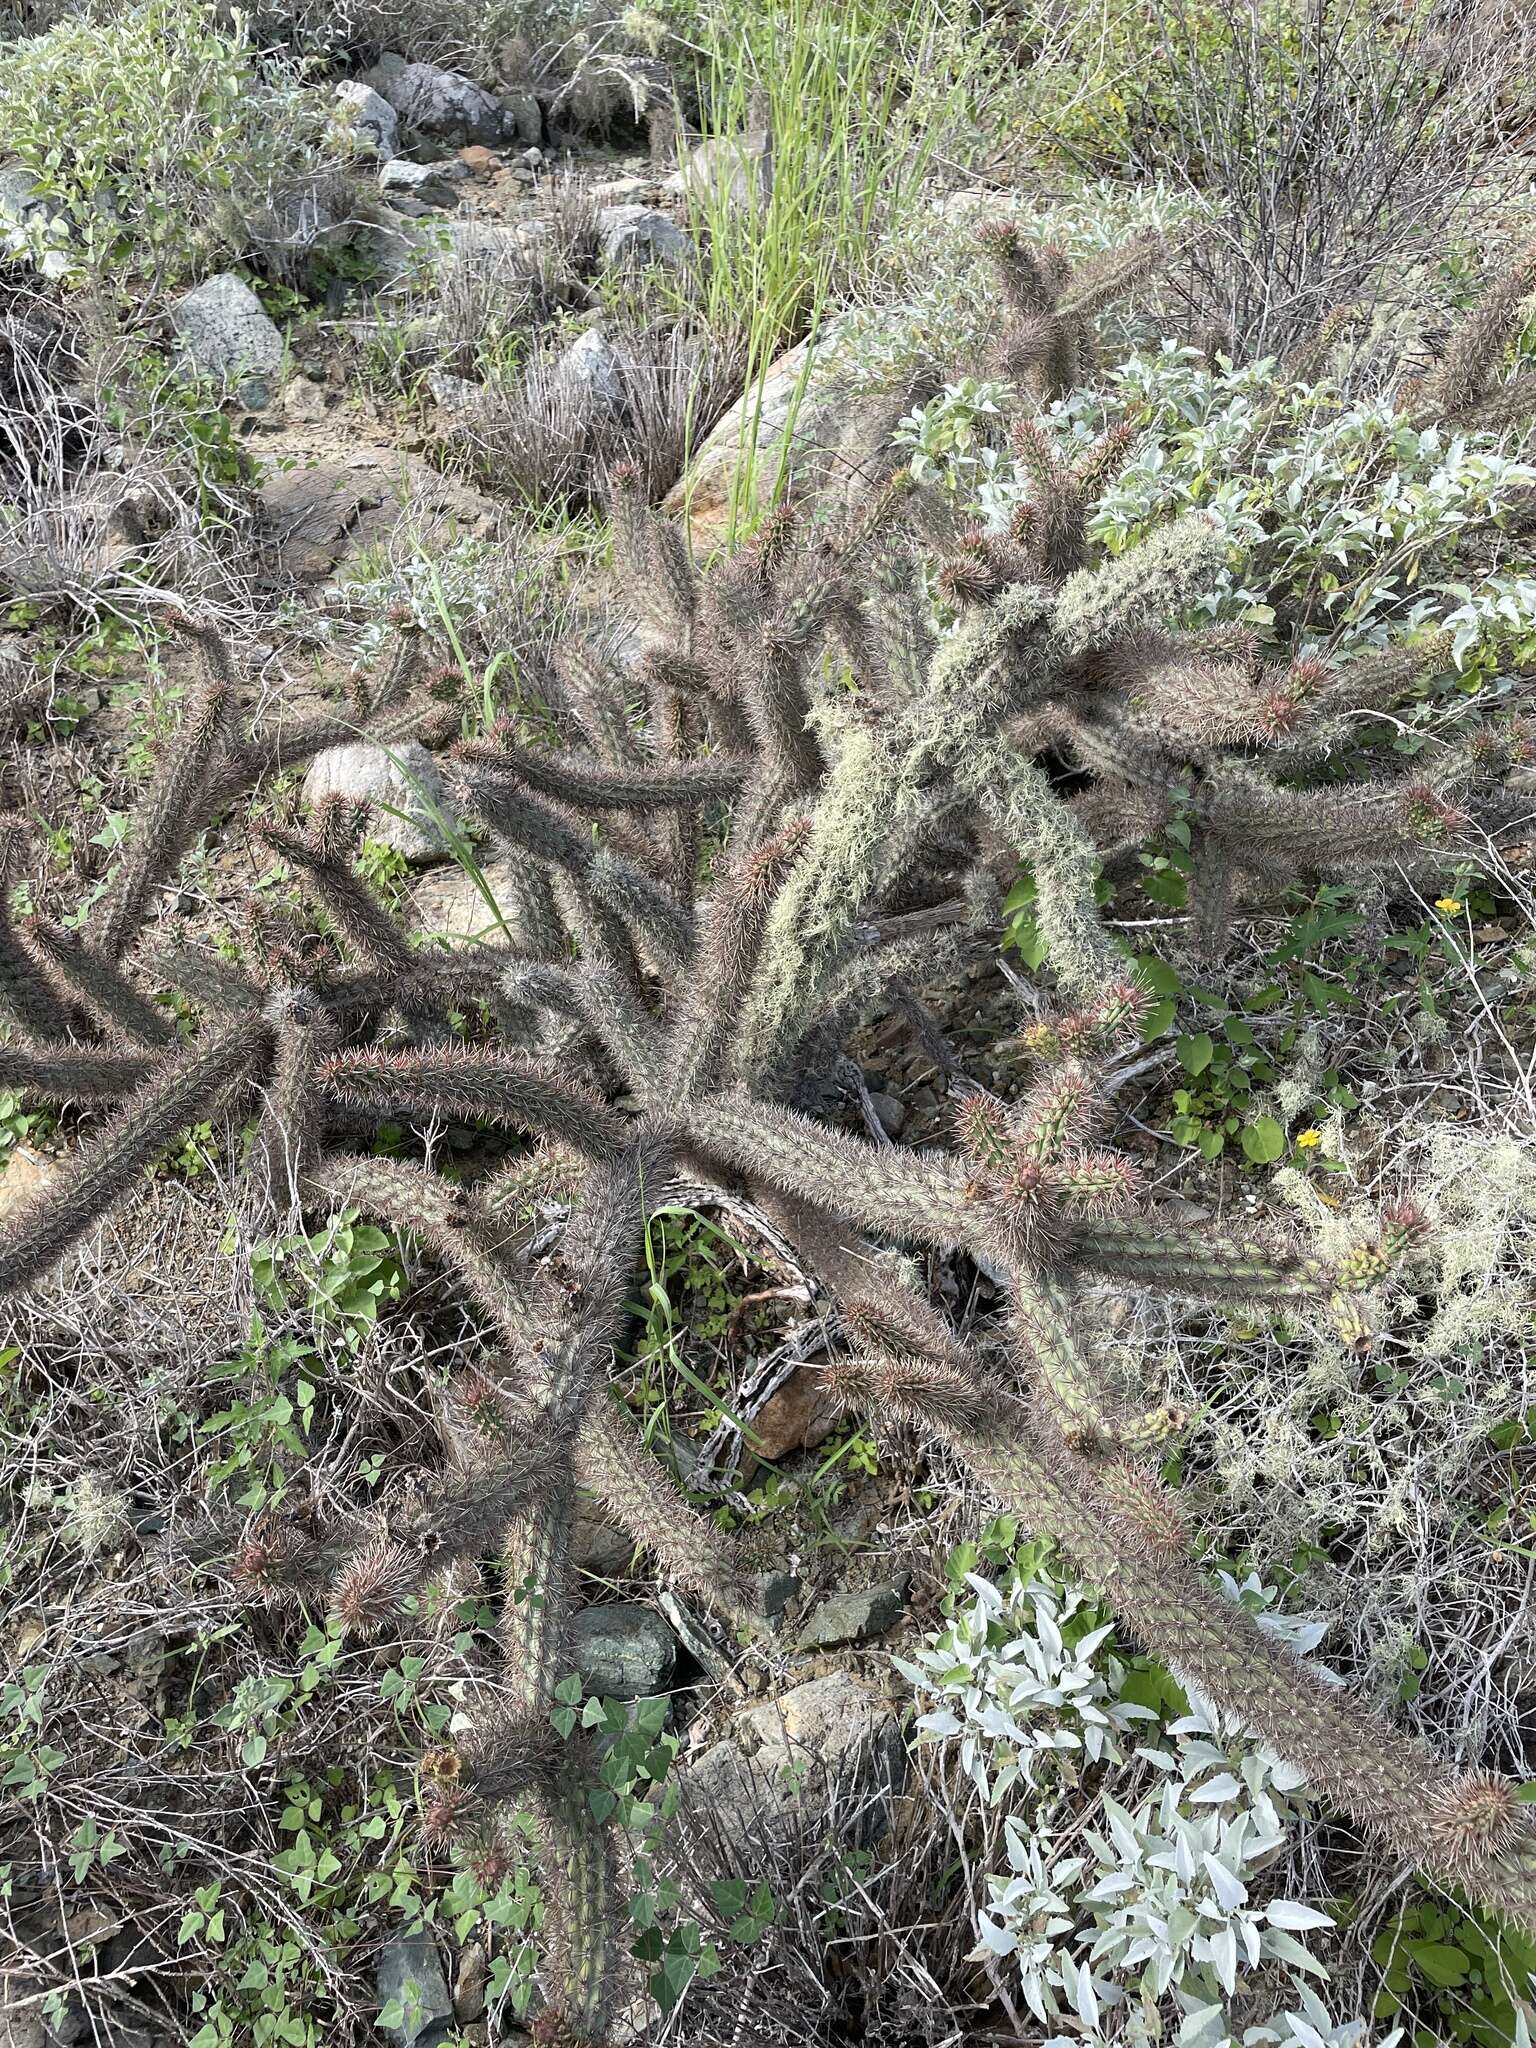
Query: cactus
{"type": "Point", "coordinates": [1195, 728]}
{"type": "Point", "coordinates": [699, 1016]}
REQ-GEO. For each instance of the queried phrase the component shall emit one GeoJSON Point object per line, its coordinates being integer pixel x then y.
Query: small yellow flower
{"type": "Point", "coordinates": [1449, 904]}
{"type": "Point", "coordinates": [1307, 1139]}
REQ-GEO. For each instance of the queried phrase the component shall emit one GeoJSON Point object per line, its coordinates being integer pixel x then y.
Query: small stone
{"type": "Point", "coordinates": [410, 1975]}
{"type": "Point", "coordinates": [21, 2026]}
{"type": "Point", "coordinates": [795, 1417]}
{"type": "Point", "coordinates": [589, 369]}
{"type": "Point", "coordinates": [443, 105]}
{"type": "Point", "coordinates": [470, 1982]}
{"type": "Point", "coordinates": [490, 244]}
{"type": "Point", "coordinates": [775, 1590]}
{"type": "Point", "coordinates": [522, 120]}
{"type": "Point", "coordinates": [224, 334]}
{"type": "Point", "coordinates": [623, 1652]}
{"type": "Point", "coordinates": [892, 1114]}
{"type": "Point", "coordinates": [533, 158]}
{"type": "Point", "coordinates": [429, 184]}
{"type": "Point", "coordinates": [598, 1548]}
{"type": "Point", "coordinates": [28, 216]}
{"type": "Point", "coordinates": [728, 169]}
{"type": "Point", "coordinates": [409, 207]}
{"type": "Point", "coordinates": [624, 192]}
{"type": "Point", "coordinates": [831, 1718]}
{"type": "Point", "coordinates": [368, 118]}
{"type": "Point", "coordinates": [455, 394]}
{"type": "Point", "coordinates": [643, 234]}
{"type": "Point", "coordinates": [804, 414]}
{"type": "Point", "coordinates": [728, 1787]}
{"type": "Point", "coordinates": [856, 1615]}
{"type": "Point", "coordinates": [455, 903]}
{"type": "Point", "coordinates": [303, 399]}
{"type": "Point", "coordinates": [399, 786]}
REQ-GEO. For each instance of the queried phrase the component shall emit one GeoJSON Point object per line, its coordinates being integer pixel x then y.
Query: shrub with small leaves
{"type": "Point", "coordinates": [1167, 1910]}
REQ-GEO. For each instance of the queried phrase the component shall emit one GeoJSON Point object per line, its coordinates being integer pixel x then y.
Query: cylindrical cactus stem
{"type": "Point", "coordinates": [731, 936]}
{"type": "Point", "coordinates": [613, 1462]}
{"type": "Point", "coordinates": [1390, 1785]}
{"type": "Point", "coordinates": [536, 1600]}
{"type": "Point", "coordinates": [469, 1239]}
{"type": "Point", "coordinates": [1210, 1268]}
{"type": "Point", "coordinates": [176, 805]}
{"type": "Point", "coordinates": [921, 1195]}
{"type": "Point", "coordinates": [290, 1134]}
{"type": "Point", "coordinates": [183, 1092]}
{"type": "Point", "coordinates": [1056, 1367]}
{"type": "Point", "coordinates": [584, 1906]}
{"type": "Point", "coordinates": [587, 786]}
{"type": "Point", "coordinates": [466, 1083]}
{"type": "Point", "coordinates": [324, 863]}
{"type": "Point", "coordinates": [577, 1867]}
{"type": "Point", "coordinates": [26, 991]}
{"type": "Point", "coordinates": [105, 994]}
{"type": "Point", "coordinates": [74, 1075]}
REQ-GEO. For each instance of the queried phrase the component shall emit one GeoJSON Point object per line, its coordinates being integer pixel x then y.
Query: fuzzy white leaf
{"type": "Point", "coordinates": [1223, 1786]}
{"type": "Point", "coordinates": [1297, 1918]}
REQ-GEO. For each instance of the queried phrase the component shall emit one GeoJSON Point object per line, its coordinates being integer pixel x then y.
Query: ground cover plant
{"type": "Point", "coordinates": [755, 1130]}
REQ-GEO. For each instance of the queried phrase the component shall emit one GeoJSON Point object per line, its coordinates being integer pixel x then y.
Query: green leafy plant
{"type": "Point", "coordinates": [158, 126]}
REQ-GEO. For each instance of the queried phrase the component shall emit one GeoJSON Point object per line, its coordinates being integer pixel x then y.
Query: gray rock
{"type": "Point", "coordinates": [403, 178]}
{"type": "Point", "coordinates": [393, 254]}
{"type": "Point", "coordinates": [450, 903]}
{"type": "Point", "coordinates": [410, 1973]}
{"type": "Point", "coordinates": [304, 399]}
{"type": "Point", "coordinates": [25, 213]}
{"type": "Point", "coordinates": [856, 1615]}
{"type": "Point", "coordinates": [725, 169]}
{"type": "Point", "coordinates": [598, 1547]}
{"type": "Point", "coordinates": [494, 243]}
{"type": "Point", "coordinates": [827, 1720]}
{"type": "Point", "coordinates": [471, 1982]}
{"type": "Point", "coordinates": [398, 786]}
{"type": "Point", "coordinates": [456, 394]}
{"type": "Point", "coordinates": [368, 118]}
{"type": "Point", "coordinates": [624, 192]}
{"type": "Point", "coordinates": [522, 120]}
{"type": "Point", "coordinates": [807, 412]}
{"type": "Point", "coordinates": [588, 370]}
{"type": "Point", "coordinates": [327, 513]}
{"type": "Point", "coordinates": [225, 335]}
{"type": "Point", "coordinates": [736, 1794]}
{"type": "Point", "coordinates": [21, 2026]}
{"type": "Point", "coordinates": [444, 106]}
{"type": "Point", "coordinates": [775, 1590]}
{"type": "Point", "coordinates": [891, 1113]}
{"type": "Point", "coordinates": [383, 76]}
{"type": "Point", "coordinates": [624, 1652]}
{"type": "Point", "coordinates": [642, 234]}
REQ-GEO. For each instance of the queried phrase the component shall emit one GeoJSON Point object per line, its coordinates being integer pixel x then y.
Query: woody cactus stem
{"type": "Point", "coordinates": [1391, 1785]}
{"type": "Point", "coordinates": [101, 1173]}
{"type": "Point", "coordinates": [577, 1861]}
